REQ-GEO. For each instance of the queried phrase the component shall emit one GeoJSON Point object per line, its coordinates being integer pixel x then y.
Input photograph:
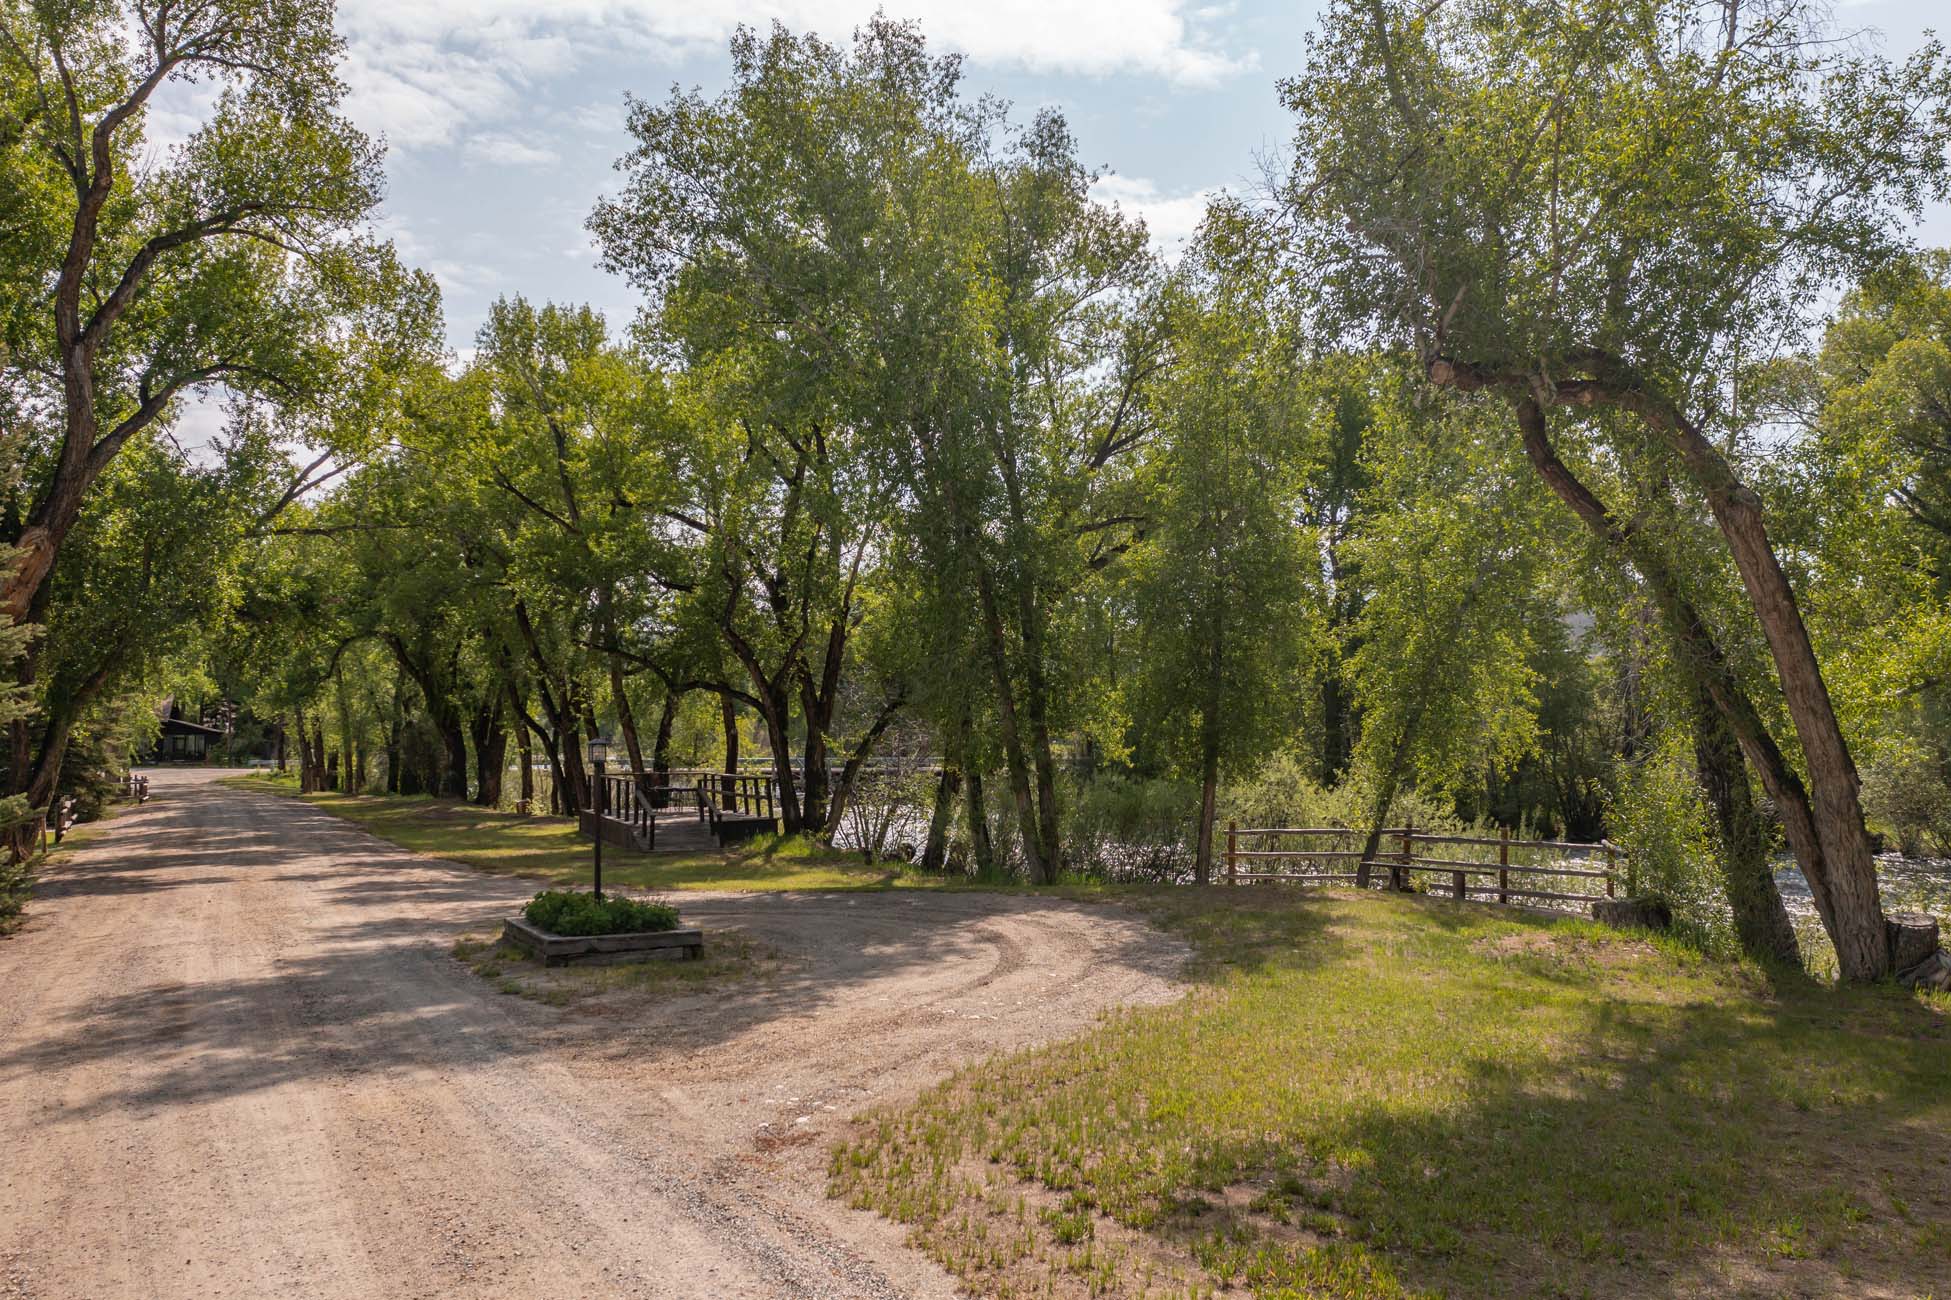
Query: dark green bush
{"type": "Point", "coordinates": [564, 912]}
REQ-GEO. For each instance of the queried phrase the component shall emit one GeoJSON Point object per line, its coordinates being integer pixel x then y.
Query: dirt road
{"type": "Point", "coordinates": [237, 1059]}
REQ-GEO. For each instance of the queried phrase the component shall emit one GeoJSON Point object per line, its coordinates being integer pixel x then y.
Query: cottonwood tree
{"type": "Point", "coordinates": [765, 227]}
{"type": "Point", "coordinates": [1225, 589]}
{"type": "Point", "coordinates": [1600, 206]}
{"type": "Point", "coordinates": [235, 262]}
{"type": "Point", "coordinates": [1451, 552]}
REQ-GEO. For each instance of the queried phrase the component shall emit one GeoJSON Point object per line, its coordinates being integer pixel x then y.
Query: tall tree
{"type": "Point", "coordinates": [235, 263]}
{"type": "Point", "coordinates": [1226, 588]}
{"type": "Point", "coordinates": [1618, 207]}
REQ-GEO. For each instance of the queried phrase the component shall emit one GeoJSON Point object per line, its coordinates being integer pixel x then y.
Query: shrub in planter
{"type": "Point", "coordinates": [569, 912]}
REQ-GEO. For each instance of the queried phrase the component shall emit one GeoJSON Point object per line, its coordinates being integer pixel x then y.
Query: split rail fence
{"type": "Point", "coordinates": [1495, 869]}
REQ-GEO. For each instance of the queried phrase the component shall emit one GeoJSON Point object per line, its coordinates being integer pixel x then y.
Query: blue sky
{"type": "Point", "coordinates": [505, 116]}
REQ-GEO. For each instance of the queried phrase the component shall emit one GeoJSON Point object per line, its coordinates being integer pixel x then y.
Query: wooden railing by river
{"type": "Point", "coordinates": [1486, 868]}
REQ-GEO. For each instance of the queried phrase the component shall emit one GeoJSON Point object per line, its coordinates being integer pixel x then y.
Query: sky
{"type": "Point", "coordinates": [503, 118]}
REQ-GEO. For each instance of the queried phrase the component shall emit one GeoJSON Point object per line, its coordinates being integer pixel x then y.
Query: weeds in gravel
{"type": "Point", "coordinates": [1378, 1098]}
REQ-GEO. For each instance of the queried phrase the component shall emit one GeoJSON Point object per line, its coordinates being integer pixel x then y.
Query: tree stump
{"type": "Point", "coordinates": [1913, 938]}
{"type": "Point", "coordinates": [1915, 953]}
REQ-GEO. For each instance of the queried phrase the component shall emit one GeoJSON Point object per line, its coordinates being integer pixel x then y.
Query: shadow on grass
{"type": "Point", "coordinates": [1384, 1098]}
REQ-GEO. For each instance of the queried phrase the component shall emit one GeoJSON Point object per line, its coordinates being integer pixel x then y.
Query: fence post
{"type": "Point", "coordinates": [1503, 864]}
{"type": "Point", "coordinates": [1609, 869]}
{"type": "Point", "coordinates": [1398, 873]}
{"type": "Point", "coordinates": [1232, 853]}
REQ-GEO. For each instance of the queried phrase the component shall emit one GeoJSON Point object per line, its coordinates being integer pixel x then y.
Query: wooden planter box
{"type": "Point", "coordinates": [603, 949]}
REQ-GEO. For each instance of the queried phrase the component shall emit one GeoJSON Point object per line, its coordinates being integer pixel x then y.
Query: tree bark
{"type": "Point", "coordinates": [626, 720]}
{"type": "Point", "coordinates": [1014, 761]}
{"type": "Point", "coordinates": [1760, 920]}
{"type": "Point", "coordinates": [524, 755]}
{"type": "Point", "coordinates": [660, 760]}
{"type": "Point", "coordinates": [934, 855]}
{"type": "Point", "coordinates": [982, 849]}
{"type": "Point", "coordinates": [490, 750]}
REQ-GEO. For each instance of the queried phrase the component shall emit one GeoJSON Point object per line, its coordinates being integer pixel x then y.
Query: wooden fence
{"type": "Point", "coordinates": [1476, 866]}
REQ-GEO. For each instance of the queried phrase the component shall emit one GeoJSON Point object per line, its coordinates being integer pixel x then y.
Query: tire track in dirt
{"type": "Point", "coordinates": [236, 1060]}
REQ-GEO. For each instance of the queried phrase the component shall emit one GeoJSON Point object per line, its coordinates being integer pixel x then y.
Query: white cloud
{"type": "Point", "coordinates": [1171, 219]}
{"type": "Point", "coordinates": [427, 72]}
{"type": "Point", "coordinates": [508, 151]}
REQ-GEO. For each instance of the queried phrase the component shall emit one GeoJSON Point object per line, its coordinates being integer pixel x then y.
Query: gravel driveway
{"type": "Point", "coordinates": [237, 1059]}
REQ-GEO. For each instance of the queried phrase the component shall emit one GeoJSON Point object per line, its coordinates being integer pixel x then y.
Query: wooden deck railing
{"type": "Point", "coordinates": [1477, 866]}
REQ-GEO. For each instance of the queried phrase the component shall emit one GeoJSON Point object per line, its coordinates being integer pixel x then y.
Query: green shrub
{"type": "Point", "coordinates": [1130, 829]}
{"type": "Point", "coordinates": [562, 911]}
{"type": "Point", "coordinates": [1906, 792]}
{"type": "Point", "coordinates": [1283, 792]}
{"type": "Point", "coordinates": [1662, 821]}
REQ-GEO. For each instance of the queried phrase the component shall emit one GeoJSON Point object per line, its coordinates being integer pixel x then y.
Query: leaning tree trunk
{"type": "Point", "coordinates": [1760, 919]}
{"type": "Point", "coordinates": [1705, 660]}
{"type": "Point", "coordinates": [1861, 938]}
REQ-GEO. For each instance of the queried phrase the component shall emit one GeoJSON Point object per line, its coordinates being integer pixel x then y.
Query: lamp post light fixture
{"type": "Point", "coordinates": [599, 752]}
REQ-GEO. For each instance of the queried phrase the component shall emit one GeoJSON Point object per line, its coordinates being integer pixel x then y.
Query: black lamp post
{"type": "Point", "coordinates": [599, 750]}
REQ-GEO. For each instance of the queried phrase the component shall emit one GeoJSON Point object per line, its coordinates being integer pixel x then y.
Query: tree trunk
{"type": "Point", "coordinates": [728, 715]}
{"type": "Point", "coordinates": [626, 720]}
{"type": "Point", "coordinates": [1014, 761]}
{"type": "Point", "coordinates": [523, 754]}
{"type": "Point", "coordinates": [1202, 862]}
{"type": "Point", "coordinates": [934, 856]}
{"type": "Point", "coordinates": [1760, 920]}
{"type": "Point", "coordinates": [982, 850]}
{"type": "Point", "coordinates": [1705, 659]}
{"type": "Point", "coordinates": [1862, 940]}
{"type": "Point", "coordinates": [660, 760]}
{"type": "Point", "coordinates": [490, 751]}
{"type": "Point", "coordinates": [850, 770]}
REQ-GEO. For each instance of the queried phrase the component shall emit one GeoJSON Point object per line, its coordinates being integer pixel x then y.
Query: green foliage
{"type": "Point", "coordinates": [1120, 828]}
{"type": "Point", "coordinates": [1660, 818]}
{"type": "Point", "coordinates": [1909, 792]}
{"type": "Point", "coordinates": [1283, 791]}
{"type": "Point", "coordinates": [574, 913]}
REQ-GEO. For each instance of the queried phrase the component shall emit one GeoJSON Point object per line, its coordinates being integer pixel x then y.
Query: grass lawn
{"type": "Point", "coordinates": [551, 849]}
{"type": "Point", "coordinates": [1376, 1098]}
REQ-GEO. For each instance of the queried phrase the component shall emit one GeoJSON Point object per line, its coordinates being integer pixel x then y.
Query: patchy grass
{"type": "Point", "coordinates": [17, 879]}
{"type": "Point", "coordinates": [551, 848]}
{"type": "Point", "coordinates": [1384, 1098]}
{"type": "Point", "coordinates": [730, 957]}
